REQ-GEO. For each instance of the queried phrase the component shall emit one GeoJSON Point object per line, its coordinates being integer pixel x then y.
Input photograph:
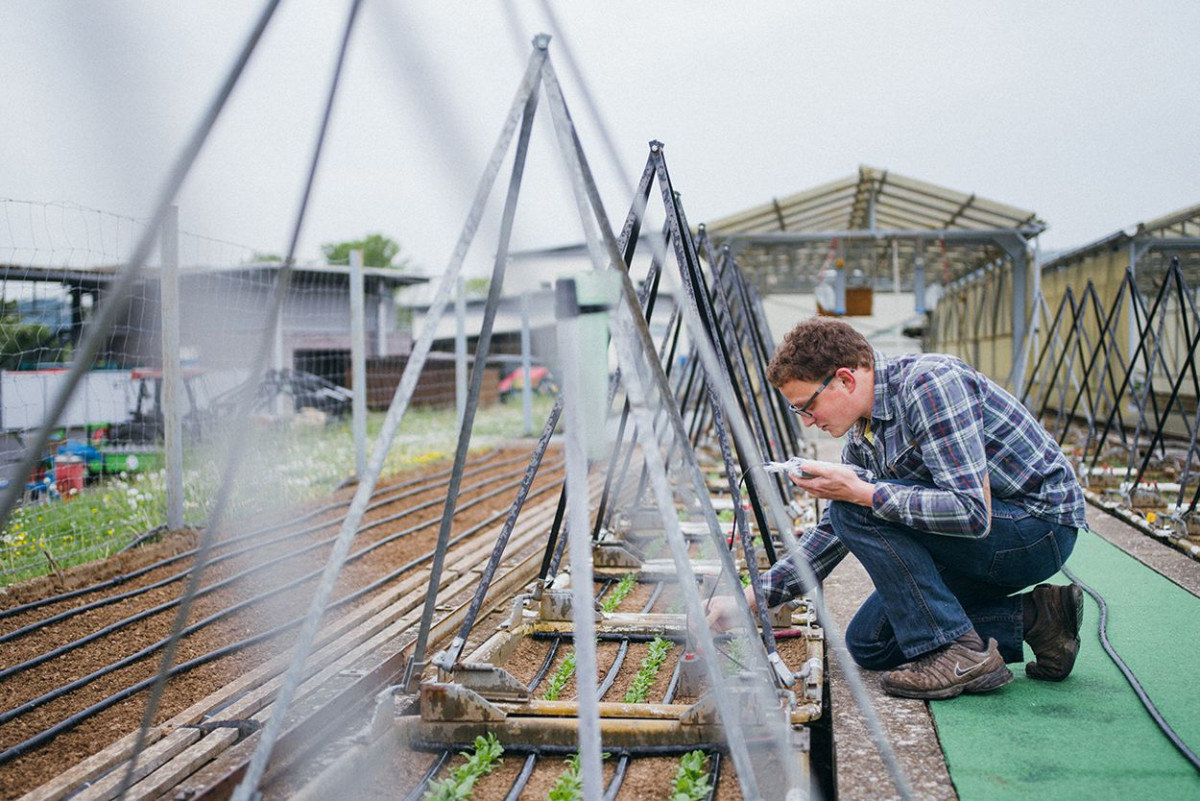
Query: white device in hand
{"type": "Point", "coordinates": [793, 467]}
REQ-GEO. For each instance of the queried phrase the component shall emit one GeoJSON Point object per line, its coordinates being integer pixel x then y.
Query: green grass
{"type": "Point", "coordinates": [283, 466]}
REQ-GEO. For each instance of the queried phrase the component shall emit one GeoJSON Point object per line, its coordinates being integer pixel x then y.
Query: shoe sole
{"type": "Point", "coordinates": [1075, 596]}
{"type": "Point", "coordinates": [983, 684]}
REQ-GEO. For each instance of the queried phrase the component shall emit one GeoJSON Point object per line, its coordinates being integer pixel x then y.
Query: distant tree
{"type": "Point", "coordinates": [23, 346]}
{"type": "Point", "coordinates": [477, 287]}
{"type": "Point", "coordinates": [265, 258]}
{"type": "Point", "coordinates": [378, 251]}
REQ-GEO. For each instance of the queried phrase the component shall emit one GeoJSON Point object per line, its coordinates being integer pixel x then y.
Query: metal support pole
{"type": "Point", "coordinates": [275, 377]}
{"type": "Point", "coordinates": [1134, 335]}
{"type": "Point", "coordinates": [460, 348]}
{"type": "Point", "coordinates": [1020, 309]}
{"type": "Point", "coordinates": [172, 375]}
{"type": "Point", "coordinates": [526, 366]}
{"type": "Point", "coordinates": [579, 539]}
{"type": "Point", "coordinates": [384, 314]}
{"type": "Point", "coordinates": [839, 290]}
{"type": "Point", "coordinates": [417, 659]}
{"type": "Point", "coordinates": [895, 267]}
{"type": "Point", "coordinates": [358, 362]}
{"type": "Point", "coordinates": [918, 283]}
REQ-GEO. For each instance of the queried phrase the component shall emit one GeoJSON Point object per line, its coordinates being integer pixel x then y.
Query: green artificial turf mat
{"type": "Point", "coordinates": [1089, 737]}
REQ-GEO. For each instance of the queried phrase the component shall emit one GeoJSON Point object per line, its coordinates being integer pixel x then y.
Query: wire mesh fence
{"type": "Point", "coordinates": [101, 481]}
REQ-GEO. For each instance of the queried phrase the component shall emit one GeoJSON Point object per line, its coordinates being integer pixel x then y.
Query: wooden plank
{"type": "Point", "coordinates": [182, 766]}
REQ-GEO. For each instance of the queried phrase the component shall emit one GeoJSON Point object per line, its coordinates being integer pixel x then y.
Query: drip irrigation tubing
{"type": "Point", "coordinates": [260, 546]}
{"type": "Point", "coordinates": [167, 605]}
{"type": "Point", "coordinates": [381, 495]}
{"type": "Point", "coordinates": [522, 778]}
{"type": "Point", "coordinates": [530, 761]}
{"type": "Point", "coordinates": [618, 778]}
{"type": "Point", "coordinates": [434, 767]}
{"type": "Point", "coordinates": [74, 720]}
{"type": "Point", "coordinates": [15, 712]}
{"type": "Point", "coordinates": [1131, 677]}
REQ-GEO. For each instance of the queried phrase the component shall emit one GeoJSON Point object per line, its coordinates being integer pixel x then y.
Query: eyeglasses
{"type": "Point", "coordinates": [803, 410]}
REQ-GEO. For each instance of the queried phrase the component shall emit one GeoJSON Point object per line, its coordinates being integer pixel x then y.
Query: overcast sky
{"type": "Point", "coordinates": [1086, 113]}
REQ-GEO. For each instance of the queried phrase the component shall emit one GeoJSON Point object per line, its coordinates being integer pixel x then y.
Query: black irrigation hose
{"type": "Point", "coordinates": [551, 652]}
{"type": "Point", "coordinates": [167, 605]}
{"type": "Point", "coordinates": [714, 774]}
{"type": "Point", "coordinates": [1131, 677]}
{"type": "Point", "coordinates": [101, 602]}
{"type": "Point", "coordinates": [618, 778]}
{"type": "Point", "coordinates": [381, 494]}
{"type": "Point", "coordinates": [611, 676]}
{"type": "Point", "coordinates": [570, 750]}
{"type": "Point", "coordinates": [522, 778]}
{"type": "Point", "coordinates": [79, 717]}
{"type": "Point", "coordinates": [673, 685]}
{"type": "Point", "coordinates": [654, 596]}
{"type": "Point", "coordinates": [10, 714]}
{"type": "Point", "coordinates": [434, 767]}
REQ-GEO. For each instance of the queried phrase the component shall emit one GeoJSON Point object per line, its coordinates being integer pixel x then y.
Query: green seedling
{"type": "Point", "coordinates": [459, 785]}
{"type": "Point", "coordinates": [556, 683]}
{"type": "Point", "coordinates": [569, 786]}
{"type": "Point", "coordinates": [659, 648]}
{"type": "Point", "coordinates": [691, 779]}
{"type": "Point", "coordinates": [619, 592]}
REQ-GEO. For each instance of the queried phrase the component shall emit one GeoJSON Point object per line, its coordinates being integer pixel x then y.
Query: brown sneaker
{"type": "Point", "coordinates": [1054, 635]}
{"type": "Point", "coordinates": [946, 673]}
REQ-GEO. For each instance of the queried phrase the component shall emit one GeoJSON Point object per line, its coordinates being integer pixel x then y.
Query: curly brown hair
{"type": "Point", "coordinates": [817, 347]}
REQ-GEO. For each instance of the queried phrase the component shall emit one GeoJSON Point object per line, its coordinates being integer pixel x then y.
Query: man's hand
{"type": "Point", "coordinates": [835, 482]}
{"type": "Point", "coordinates": [721, 612]}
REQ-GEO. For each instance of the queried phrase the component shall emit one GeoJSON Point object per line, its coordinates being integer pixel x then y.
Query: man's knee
{"type": "Point", "coordinates": [843, 514]}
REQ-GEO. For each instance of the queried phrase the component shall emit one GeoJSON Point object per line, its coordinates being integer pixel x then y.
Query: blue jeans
{"type": "Point", "coordinates": [931, 589]}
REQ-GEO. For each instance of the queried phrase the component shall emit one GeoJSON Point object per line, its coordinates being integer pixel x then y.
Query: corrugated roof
{"type": "Point", "coordinates": [785, 242]}
{"type": "Point", "coordinates": [1173, 235]}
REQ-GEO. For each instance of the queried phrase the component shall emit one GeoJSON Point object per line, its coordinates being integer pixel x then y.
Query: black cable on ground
{"type": "Point", "coordinates": [522, 778]}
{"type": "Point", "coordinates": [434, 767]}
{"type": "Point", "coordinates": [1131, 677]}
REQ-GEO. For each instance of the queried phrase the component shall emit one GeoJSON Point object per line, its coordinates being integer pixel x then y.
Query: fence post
{"type": "Point", "coordinates": [172, 369]}
{"type": "Point", "coordinates": [460, 349]}
{"type": "Point", "coordinates": [526, 382]}
{"type": "Point", "coordinates": [358, 363]}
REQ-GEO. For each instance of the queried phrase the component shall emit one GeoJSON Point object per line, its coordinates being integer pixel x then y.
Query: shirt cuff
{"type": "Point", "coordinates": [884, 502]}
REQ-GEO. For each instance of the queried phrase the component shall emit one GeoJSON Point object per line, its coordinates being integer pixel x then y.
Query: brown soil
{"type": "Point", "coordinates": [248, 576]}
{"type": "Point", "coordinates": [251, 575]}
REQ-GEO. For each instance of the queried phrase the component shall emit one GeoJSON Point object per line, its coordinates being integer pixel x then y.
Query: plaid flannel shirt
{"type": "Point", "coordinates": [938, 421]}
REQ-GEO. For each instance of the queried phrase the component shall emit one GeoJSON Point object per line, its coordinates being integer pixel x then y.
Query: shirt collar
{"type": "Point", "coordinates": [881, 409]}
{"type": "Point", "coordinates": [885, 368]}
